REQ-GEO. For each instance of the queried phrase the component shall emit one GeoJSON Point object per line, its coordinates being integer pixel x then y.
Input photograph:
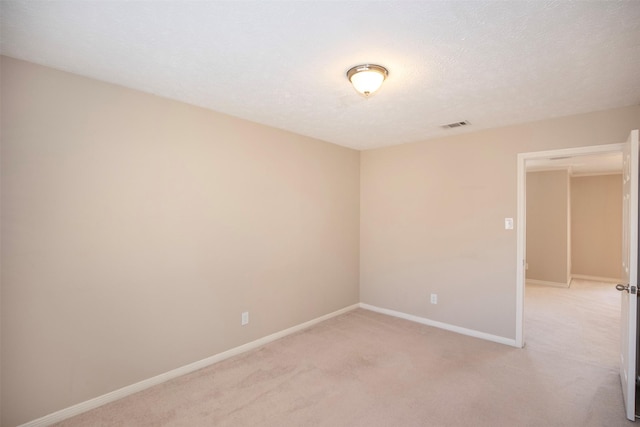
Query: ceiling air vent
{"type": "Point", "coordinates": [456, 124]}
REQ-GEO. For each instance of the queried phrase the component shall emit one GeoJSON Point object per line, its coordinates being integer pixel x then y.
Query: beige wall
{"type": "Point", "coordinates": [596, 225]}
{"type": "Point", "coordinates": [136, 229]}
{"type": "Point", "coordinates": [548, 226]}
{"type": "Point", "coordinates": [432, 218]}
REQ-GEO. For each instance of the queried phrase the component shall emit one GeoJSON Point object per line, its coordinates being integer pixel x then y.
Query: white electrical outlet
{"type": "Point", "coordinates": [245, 318]}
{"type": "Point", "coordinates": [434, 298]}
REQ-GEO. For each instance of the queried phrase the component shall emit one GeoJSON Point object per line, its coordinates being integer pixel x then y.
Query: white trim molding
{"type": "Point", "coordinates": [88, 405]}
{"type": "Point", "coordinates": [547, 283]}
{"type": "Point", "coordinates": [441, 325]}
{"type": "Point", "coordinates": [596, 278]}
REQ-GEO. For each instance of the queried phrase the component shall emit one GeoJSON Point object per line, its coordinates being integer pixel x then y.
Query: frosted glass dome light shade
{"type": "Point", "coordinates": [367, 78]}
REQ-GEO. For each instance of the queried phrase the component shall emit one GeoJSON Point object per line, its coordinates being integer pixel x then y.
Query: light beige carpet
{"type": "Point", "coordinates": [367, 369]}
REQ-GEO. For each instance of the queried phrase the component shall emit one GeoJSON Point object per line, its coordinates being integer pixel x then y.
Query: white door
{"type": "Point", "coordinates": [629, 273]}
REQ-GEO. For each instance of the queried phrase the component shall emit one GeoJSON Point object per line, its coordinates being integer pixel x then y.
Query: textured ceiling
{"type": "Point", "coordinates": [283, 63]}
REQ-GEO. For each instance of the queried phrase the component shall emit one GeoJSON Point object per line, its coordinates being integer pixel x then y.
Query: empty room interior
{"type": "Point", "coordinates": [209, 218]}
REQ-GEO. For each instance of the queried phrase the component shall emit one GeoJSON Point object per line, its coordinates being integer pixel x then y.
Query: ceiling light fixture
{"type": "Point", "coordinates": [367, 78]}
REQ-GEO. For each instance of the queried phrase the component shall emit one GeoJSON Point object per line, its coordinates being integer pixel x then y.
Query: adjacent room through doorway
{"type": "Point", "coordinates": [571, 207]}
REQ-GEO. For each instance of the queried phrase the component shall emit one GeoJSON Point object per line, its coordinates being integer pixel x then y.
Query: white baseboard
{"type": "Point", "coordinates": [441, 325]}
{"type": "Point", "coordinates": [85, 406]}
{"type": "Point", "coordinates": [596, 278]}
{"type": "Point", "coordinates": [547, 283]}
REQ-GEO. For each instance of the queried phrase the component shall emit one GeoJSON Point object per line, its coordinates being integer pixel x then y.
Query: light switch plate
{"type": "Point", "coordinates": [508, 223]}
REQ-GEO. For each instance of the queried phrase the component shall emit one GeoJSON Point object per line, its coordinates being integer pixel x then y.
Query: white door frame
{"type": "Point", "coordinates": [521, 216]}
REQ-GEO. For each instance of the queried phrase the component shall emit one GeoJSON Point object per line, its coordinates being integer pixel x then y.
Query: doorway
{"type": "Point", "coordinates": [629, 272]}
{"type": "Point", "coordinates": [523, 160]}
